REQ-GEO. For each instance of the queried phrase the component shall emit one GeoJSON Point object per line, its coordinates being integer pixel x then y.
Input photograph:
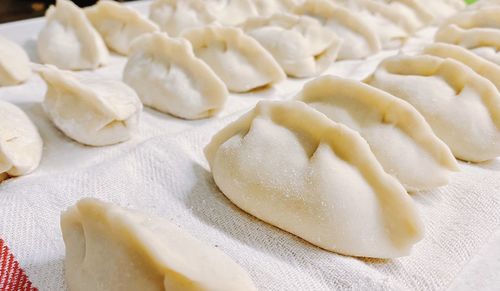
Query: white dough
{"type": "Point", "coordinates": [69, 41]}
{"type": "Point", "coordinates": [398, 135]}
{"type": "Point", "coordinates": [300, 44]}
{"type": "Point", "coordinates": [239, 60]}
{"type": "Point", "coordinates": [14, 63]}
{"type": "Point", "coordinates": [291, 166]}
{"type": "Point", "coordinates": [476, 30]}
{"type": "Point", "coordinates": [118, 24]}
{"type": "Point", "coordinates": [109, 248]}
{"type": "Point", "coordinates": [20, 143]}
{"type": "Point", "coordinates": [167, 76]}
{"type": "Point", "coordinates": [359, 40]}
{"type": "Point", "coordinates": [462, 107]}
{"type": "Point", "coordinates": [92, 111]}
{"type": "Point", "coordinates": [174, 16]}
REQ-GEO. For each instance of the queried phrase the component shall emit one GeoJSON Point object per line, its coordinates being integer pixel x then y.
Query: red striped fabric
{"type": "Point", "coordinates": [12, 277]}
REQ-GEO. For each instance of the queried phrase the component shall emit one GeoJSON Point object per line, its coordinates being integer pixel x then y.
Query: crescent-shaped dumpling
{"type": "Point", "coordinates": [118, 24]}
{"type": "Point", "coordinates": [109, 248]}
{"type": "Point", "coordinates": [69, 41]}
{"type": "Point", "coordinates": [300, 44]}
{"type": "Point", "coordinates": [291, 166]}
{"type": "Point", "coordinates": [167, 76]}
{"type": "Point", "coordinates": [398, 135]}
{"type": "Point", "coordinates": [90, 110]}
{"type": "Point", "coordinates": [461, 106]}
{"type": "Point", "coordinates": [14, 63]}
{"type": "Point", "coordinates": [238, 59]}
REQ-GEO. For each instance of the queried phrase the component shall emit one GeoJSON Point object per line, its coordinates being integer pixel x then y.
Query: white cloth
{"type": "Point", "coordinates": [162, 171]}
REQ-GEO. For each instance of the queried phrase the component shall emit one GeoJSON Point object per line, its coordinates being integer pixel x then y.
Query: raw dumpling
{"type": "Point", "coordinates": [239, 60]}
{"type": "Point", "coordinates": [91, 111]}
{"type": "Point", "coordinates": [442, 9]}
{"type": "Point", "coordinates": [270, 7]}
{"type": "Point", "coordinates": [232, 12]}
{"type": "Point", "coordinates": [119, 25]}
{"type": "Point", "coordinates": [462, 107]}
{"type": "Point", "coordinates": [485, 68]}
{"type": "Point", "coordinates": [174, 16]}
{"type": "Point", "coordinates": [414, 10]}
{"type": "Point", "coordinates": [359, 40]}
{"type": "Point", "coordinates": [14, 63]}
{"type": "Point", "coordinates": [392, 26]}
{"type": "Point", "coordinates": [69, 41]}
{"type": "Point", "coordinates": [291, 166]}
{"type": "Point", "coordinates": [20, 144]}
{"type": "Point", "coordinates": [109, 248]}
{"type": "Point", "coordinates": [235, 12]}
{"type": "Point", "coordinates": [300, 44]}
{"type": "Point", "coordinates": [478, 31]}
{"type": "Point", "coordinates": [392, 128]}
{"type": "Point", "coordinates": [169, 77]}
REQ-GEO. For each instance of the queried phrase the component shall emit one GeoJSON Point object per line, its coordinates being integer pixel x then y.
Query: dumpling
{"type": "Point", "coordinates": [300, 44]}
{"type": "Point", "coordinates": [415, 11]}
{"type": "Point", "coordinates": [232, 12]}
{"type": "Point", "coordinates": [478, 31]}
{"type": "Point", "coordinates": [169, 77]}
{"type": "Point", "coordinates": [398, 135]}
{"type": "Point", "coordinates": [118, 24]}
{"type": "Point", "coordinates": [20, 143]}
{"type": "Point", "coordinates": [442, 9]}
{"type": "Point", "coordinates": [235, 12]}
{"type": "Point", "coordinates": [289, 165]}
{"type": "Point", "coordinates": [239, 60]}
{"type": "Point", "coordinates": [68, 39]}
{"type": "Point", "coordinates": [270, 7]}
{"type": "Point", "coordinates": [485, 68]}
{"type": "Point", "coordinates": [391, 26]}
{"type": "Point", "coordinates": [91, 111]}
{"type": "Point", "coordinates": [359, 40]}
{"type": "Point", "coordinates": [462, 107]}
{"type": "Point", "coordinates": [109, 248]}
{"type": "Point", "coordinates": [175, 16]}
{"type": "Point", "coordinates": [14, 63]}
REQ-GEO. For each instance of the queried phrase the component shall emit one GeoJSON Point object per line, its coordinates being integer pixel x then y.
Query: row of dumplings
{"type": "Point", "coordinates": [311, 28]}
{"type": "Point", "coordinates": [334, 165]}
{"type": "Point", "coordinates": [187, 77]}
{"type": "Point", "coordinates": [164, 71]}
